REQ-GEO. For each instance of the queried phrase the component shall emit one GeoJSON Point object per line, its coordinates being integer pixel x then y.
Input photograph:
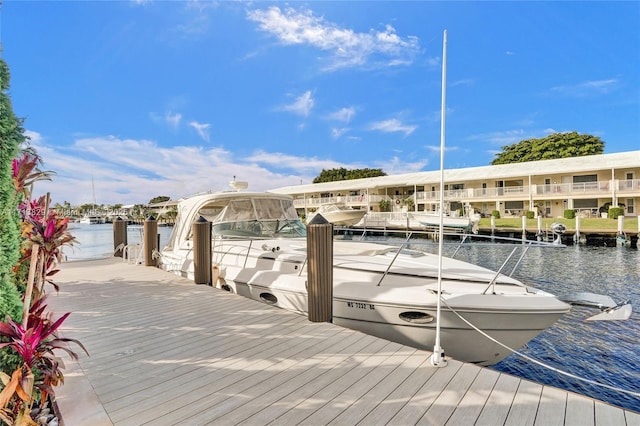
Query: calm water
{"type": "Point", "coordinates": [606, 352]}
{"type": "Point", "coordinates": [96, 241]}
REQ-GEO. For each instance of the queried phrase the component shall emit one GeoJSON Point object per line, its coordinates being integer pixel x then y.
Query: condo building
{"type": "Point", "coordinates": [589, 185]}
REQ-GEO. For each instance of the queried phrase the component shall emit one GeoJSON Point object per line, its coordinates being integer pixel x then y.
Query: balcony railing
{"type": "Point", "coordinates": [599, 189]}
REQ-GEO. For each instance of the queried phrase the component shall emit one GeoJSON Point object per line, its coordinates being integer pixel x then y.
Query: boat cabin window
{"type": "Point", "coordinates": [258, 218]}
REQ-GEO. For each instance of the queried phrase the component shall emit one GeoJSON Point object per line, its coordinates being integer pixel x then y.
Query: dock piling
{"type": "Point", "coordinates": [150, 240]}
{"type": "Point", "coordinates": [202, 251]}
{"type": "Point", "coordinates": [119, 236]}
{"type": "Point", "coordinates": [320, 269]}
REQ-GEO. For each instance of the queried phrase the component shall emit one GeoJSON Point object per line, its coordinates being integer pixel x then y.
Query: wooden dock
{"type": "Point", "coordinates": [164, 351]}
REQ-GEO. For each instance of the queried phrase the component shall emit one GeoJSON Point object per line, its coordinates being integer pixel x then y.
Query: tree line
{"type": "Point", "coordinates": [556, 145]}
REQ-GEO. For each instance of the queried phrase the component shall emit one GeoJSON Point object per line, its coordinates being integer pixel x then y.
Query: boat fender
{"type": "Point", "coordinates": [215, 275]}
{"type": "Point", "coordinates": [275, 249]}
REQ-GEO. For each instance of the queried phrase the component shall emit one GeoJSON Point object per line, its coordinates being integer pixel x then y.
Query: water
{"type": "Point", "coordinates": [604, 352]}
{"type": "Point", "coordinates": [96, 241]}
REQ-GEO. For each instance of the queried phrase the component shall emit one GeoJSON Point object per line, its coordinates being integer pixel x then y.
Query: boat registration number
{"type": "Point", "coordinates": [360, 305]}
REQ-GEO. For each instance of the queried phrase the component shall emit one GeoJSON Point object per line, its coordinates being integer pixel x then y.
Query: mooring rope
{"type": "Point", "coordinates": [540, 363]}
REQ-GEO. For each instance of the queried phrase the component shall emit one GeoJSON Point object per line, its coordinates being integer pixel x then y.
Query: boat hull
{"type": "Point", "coordinates": [511, 327]}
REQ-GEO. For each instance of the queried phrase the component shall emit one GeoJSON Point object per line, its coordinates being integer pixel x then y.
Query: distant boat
{"type": "Point", "coordinates": [338, 214]}
{"type": "Point", "coordinates": [433, 219]}
{"type": "Point", "coordinates": [91, 220]}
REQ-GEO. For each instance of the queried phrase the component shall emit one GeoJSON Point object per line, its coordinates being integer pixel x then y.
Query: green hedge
{"type": "Point", "coordinates": [569, 214]}
{"type": "Point", "coordinates": [614, 212]}
{"type": "Point", "coordinates": [496, 214]}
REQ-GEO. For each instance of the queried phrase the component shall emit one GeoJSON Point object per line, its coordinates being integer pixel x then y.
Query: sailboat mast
{"type": "Point", "coordinates": [93, 192]}
{"type": "Point", "coordinates": [437, 358]}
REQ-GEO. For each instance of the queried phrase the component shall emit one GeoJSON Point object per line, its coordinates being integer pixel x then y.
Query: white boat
{"type": "Point", "coordinates": [91, 220]}
{"type": "Point", "coordinates": [433, 220]}
{"type": "Point", "coordinates": [259, 248]}
{"type": "Point", "coordinates": [338, 214]}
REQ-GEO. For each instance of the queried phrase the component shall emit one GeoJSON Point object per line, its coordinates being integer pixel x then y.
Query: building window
{"type": "Point", "coordinates": [630, 206]}
{"type": "Point", "coordinates": [591, 203]}
{"type": "Point", "coordinates": [514, 205]}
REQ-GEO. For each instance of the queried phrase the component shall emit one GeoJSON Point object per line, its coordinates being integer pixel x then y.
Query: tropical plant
{"type": "Point", "coordinates": [31, 238]}
{"type": "Point", "coordinates": [409, 202]}
{"type": "Point", "coordinates": [42, 227]}
{"type": "Point", "coordinates": [385, 205]}
{"type": "Point", "coordinates": [40, 370]}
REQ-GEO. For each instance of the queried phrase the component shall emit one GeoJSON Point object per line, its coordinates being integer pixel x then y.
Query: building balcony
{"type": "Point", "coordinates": [598, 189]}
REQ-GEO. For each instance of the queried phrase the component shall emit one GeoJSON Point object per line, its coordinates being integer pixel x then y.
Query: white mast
{"type": "Point", "coordinates": [437, 358]}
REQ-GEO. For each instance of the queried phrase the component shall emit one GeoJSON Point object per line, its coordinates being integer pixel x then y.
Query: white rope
{"type": "Point", "coordinates": [535, 361]}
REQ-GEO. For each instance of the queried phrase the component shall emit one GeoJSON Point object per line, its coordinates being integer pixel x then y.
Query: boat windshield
{"type": "Point", "coordinates": [256, 218]}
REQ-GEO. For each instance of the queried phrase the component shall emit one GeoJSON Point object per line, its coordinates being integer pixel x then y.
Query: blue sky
{"type": "Point", "coordinates": [151, 98]}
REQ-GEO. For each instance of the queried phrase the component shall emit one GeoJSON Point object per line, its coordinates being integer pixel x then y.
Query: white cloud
{"type": "Point", "coordinates": [462, 82]}
{"type": "Point", "coordinates": [171, 119]}
{"type": "Point", "coordinates": [392, 125]}
{"type": "Point", "coordinates": [436, 148]}
{"type": "Point", "coordinates": [397, 166]}
{"type": "Point", "coordinates": [343, 114]}
{"type": "Point", "coordinates": [202, 129]}
{"type": "Point", "coordinates": [128, 171]}
{"type": "Point", "coordinates": [293, 162]}
{"type": "Point", "coordinates": [346, 48]}
{"type": "Point", "coordinates": [301, 106]}
{"type": "Point", "coordinates": [337, 133]}
{"type": "Point", "coordinates": [587, 88]}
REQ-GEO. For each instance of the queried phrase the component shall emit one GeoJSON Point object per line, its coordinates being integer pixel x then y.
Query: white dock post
{"type": "Point", "coordinates": [621, 224]}
{"type": "Point", "coordinates": [576, 237]}
{"type": "Point", "coordinates": [493, 224]}
{"type": "Point", "coordinates": [539, 234]}
{"type": "Point", "coordinates": [524, 227]}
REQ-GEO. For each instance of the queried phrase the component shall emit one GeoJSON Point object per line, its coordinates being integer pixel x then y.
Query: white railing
{"type": "Point", "coordinates": [597, 189]}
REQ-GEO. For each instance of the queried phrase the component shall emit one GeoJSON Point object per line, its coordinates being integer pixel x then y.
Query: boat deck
{"type": "Point", "coordinates": [164, 351]}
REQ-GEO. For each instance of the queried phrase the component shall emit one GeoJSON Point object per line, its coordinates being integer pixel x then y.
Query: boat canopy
{"type": "Point", "coordinates": [236, 211]}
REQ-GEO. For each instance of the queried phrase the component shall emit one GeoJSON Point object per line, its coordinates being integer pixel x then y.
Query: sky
{"type": "Point", "coordinates": [129, 100]}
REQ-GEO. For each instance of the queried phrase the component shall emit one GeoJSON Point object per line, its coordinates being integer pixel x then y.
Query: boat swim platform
{"type": "Point", "coordinates": [165, 351]}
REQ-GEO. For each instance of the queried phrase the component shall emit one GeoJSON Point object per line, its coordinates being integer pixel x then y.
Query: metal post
{"type": "Point", "coordinates": [150, 240]}
{"type": "Point", "coordinates": [119, 236]}
{"type": "Point", "coordinates": [320, 269]}
{"type": "Point", "coordinates": [524, 227]}
{"type": "Point", "coordinates": [576, 237]}
{"type": "Point", "coordinates": [202, 269]}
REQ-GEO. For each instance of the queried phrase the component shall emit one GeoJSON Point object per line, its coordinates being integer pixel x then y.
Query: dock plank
{"type": "Point", "coordinates": [470, 406]}
{"type": "Point", "coordinates": [165, 351]}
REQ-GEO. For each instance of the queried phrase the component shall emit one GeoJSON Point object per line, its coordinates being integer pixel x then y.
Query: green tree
{"type": "Point", "coordinates": [333, 175]}
{"type": "Point", "coordinates": [11, 137]}
{"type": "Point", "coordinates": [159, 199]}
{"type": "Point", "coordinates": [557, 145]}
